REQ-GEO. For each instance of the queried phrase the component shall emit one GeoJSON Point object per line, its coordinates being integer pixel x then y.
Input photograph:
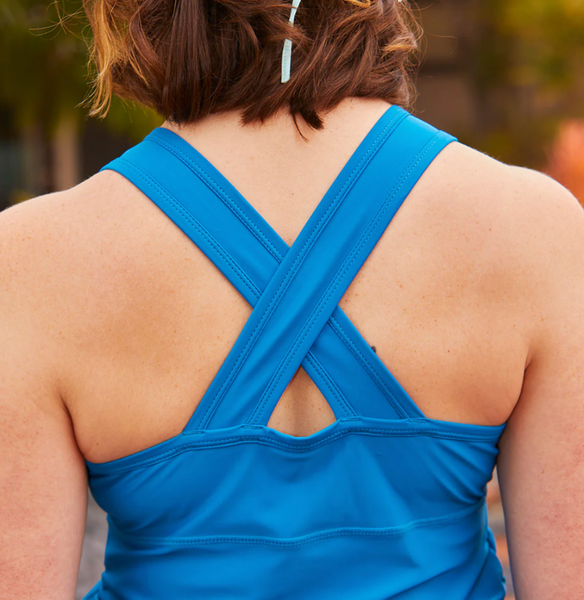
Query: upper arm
{"type": "Point", "coordinates": [541, 462]}
{"type": "Point", "coordinates": [43, 483]}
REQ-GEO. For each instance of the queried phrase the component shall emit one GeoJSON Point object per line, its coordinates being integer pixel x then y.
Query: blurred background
{"type": "Point", "coordinates": [504, 76]}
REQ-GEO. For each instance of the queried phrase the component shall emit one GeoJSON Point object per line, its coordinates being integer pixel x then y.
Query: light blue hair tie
{"type": "Point", "coordinates": [287, 52]}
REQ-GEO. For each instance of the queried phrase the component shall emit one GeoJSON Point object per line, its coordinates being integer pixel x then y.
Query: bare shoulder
{"type": "Point", "coordinates": [539, 230]}
{"type": "Point", "coordinates": [515, 232]}
{"type": "Point", "coordinates": [37, 437]}
{"type": "Point", "coordinates": [525, 224]}
{"type": "Point", "coordinates": [74, 248]}
{"type": "Point", "coordinates": [70, 268]}
{"type": "Point", "coordinates": [495, 188]}
{"type": "Point", "coordinates": [47, 225]}
{"type": "Point", "coordinates": [57, 222]}
{"type": "Point", "coordinates": [74, 264]}
{"type": "Point", "coordinates": [30, 236]}
{"type": "Point", "coordinates": [38, 277]}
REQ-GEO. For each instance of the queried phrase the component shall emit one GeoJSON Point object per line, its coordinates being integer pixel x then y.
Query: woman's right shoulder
{"type": "Point", "coordinates": [520, 227]}
{"type": "Point", "coordinates": [536, 223]}
{"type": "Point", "coordinates": [540, 234]}
{"type": "Point", "coordinates": [498, 184]}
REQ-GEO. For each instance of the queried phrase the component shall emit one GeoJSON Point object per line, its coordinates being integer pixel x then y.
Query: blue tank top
{"type": "Point", "coordinates": [382, 504]}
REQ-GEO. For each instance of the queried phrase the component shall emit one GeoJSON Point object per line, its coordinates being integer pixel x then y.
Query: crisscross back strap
{"type": "Point", "coordinates": [247, 250]}
{"type": "Point", "coordinates": [315, 273]}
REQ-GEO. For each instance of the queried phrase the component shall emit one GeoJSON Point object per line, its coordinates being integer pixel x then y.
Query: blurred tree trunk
{"type": "Point", "coordinates": [65, 154]}
{"type": "Point", "coordinates": [35, 167]}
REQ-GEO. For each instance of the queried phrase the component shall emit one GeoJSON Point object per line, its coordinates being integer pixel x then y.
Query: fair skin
{"type": "Point", "coordinates": [114, 323]}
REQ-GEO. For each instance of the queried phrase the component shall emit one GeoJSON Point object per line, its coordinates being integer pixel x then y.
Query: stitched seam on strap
{"type": "Point", "coordinates": [301, 540]}
{"type": "Point", "coordinates": [226, 198]}
{"type": "Point", "coordinates": [348, 262]}
{"type": "Point", "coordinates": [317, 365]}
{"type": "Point", "coordinates": [335, 283]}
{"type": "Point", "coordinates": [237, 270]}
{"type": "Point", "coordinates": [309, 242]}
{"type": "Point", "coordinates": [216, 188]}
{"type": "Point", "coordinates": [330, 384]}
{"type": "Point", "coordinates": [368, 367]}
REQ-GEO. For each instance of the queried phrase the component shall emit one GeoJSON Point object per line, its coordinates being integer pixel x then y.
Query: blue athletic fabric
{"type": "Point", "coordinates": [384, 503]}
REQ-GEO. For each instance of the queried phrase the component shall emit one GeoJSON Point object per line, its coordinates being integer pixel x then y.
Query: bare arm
{"type": "Point", "coordinates": [43, 484]}
{"type": "Point", "coordinates": [541, 464]}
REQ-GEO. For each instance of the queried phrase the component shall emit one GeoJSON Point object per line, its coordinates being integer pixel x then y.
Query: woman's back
{"type": "Point", "coordinates": [158, 318]}
{"type": "Point", "coordinates": [135, 321]}
{"type": "Point", "coordinates": [228, 494]}
{"type": "Point", "coordinates": [432, 298]}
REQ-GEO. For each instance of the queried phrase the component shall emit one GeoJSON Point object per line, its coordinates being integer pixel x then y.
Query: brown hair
{"type": "Point", "coordinates": [190, 58]}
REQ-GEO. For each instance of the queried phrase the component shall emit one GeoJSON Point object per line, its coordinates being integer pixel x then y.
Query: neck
{"type": "Point", "coordinates": [280, 130]}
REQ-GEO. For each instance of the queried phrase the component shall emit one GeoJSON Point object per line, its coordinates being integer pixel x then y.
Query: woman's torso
{"type": "Point", "coordinates": [150, 319]}
{"type": "Point", "coordinates": [390, 500]}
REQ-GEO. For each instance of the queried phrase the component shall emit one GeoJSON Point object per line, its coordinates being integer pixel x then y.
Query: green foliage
{"type": "Point", "coordinates": [527, 67]}
{"type": "Point", "coordinates": [43, 61]}
{"type": "Point", "coordinates": [131, 119]}
{"type": "Point", "coordinates": [549, 36]}
{"type": "Point", "coordinates": [531, 42]}
{"type": "Point", "coordinates": [42, 65]}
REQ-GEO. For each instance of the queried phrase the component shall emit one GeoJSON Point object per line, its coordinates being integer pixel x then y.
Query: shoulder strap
{"type": "Point", "coordinates": [247, 250]}
{"type": "Point", "coordinates": [315, 273]}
